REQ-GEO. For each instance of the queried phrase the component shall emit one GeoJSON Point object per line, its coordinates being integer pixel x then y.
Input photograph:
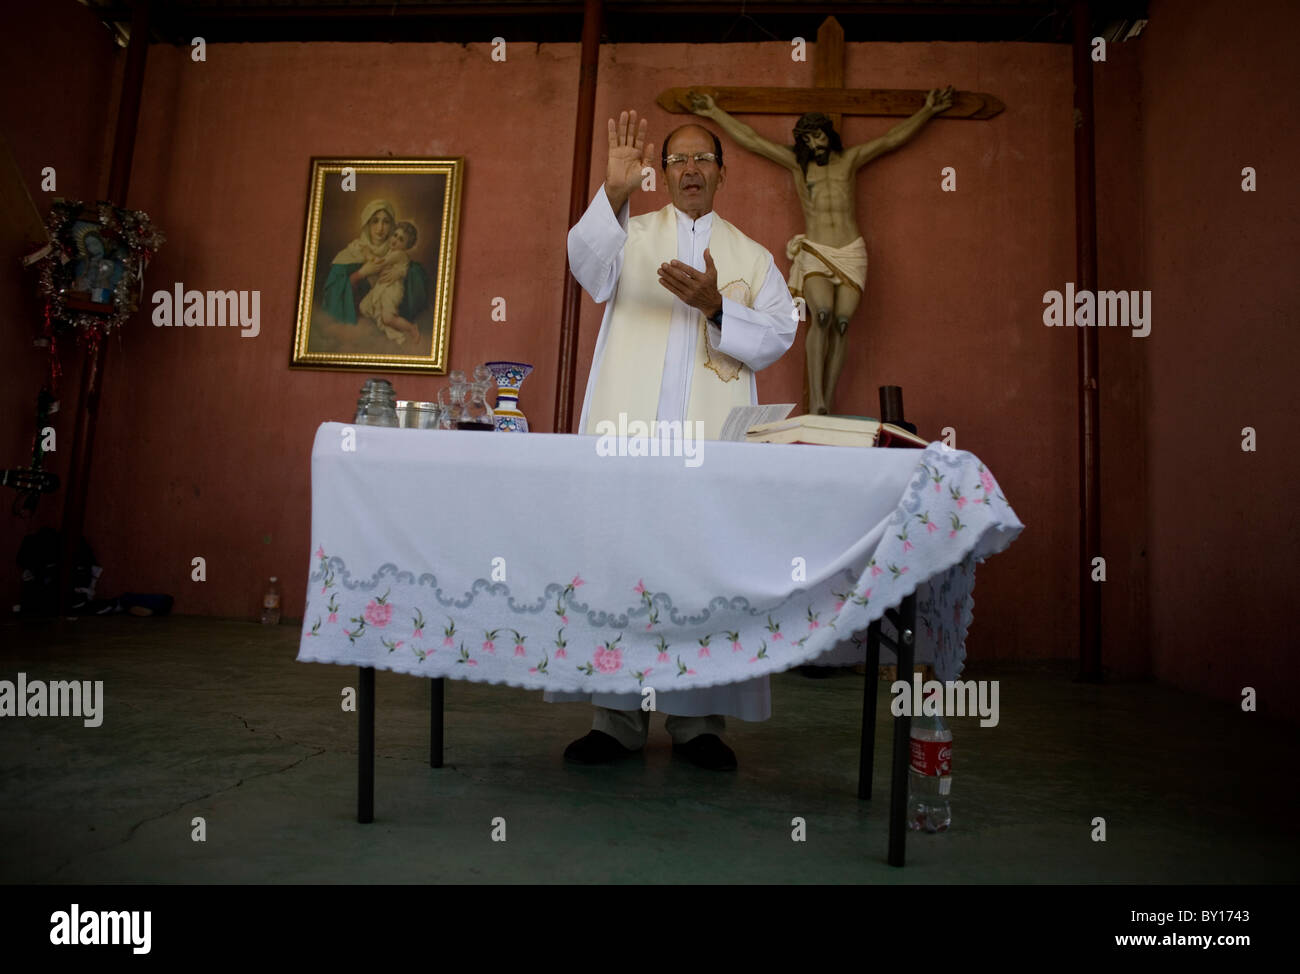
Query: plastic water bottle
{"type": "Point", "coordinates": [930, 775]}
{"type": "Point", "coordinates": [271, 604]}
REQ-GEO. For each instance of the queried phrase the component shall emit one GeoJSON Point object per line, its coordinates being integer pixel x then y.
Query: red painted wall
{"type": "Point", "coordinates": [1222, 265]}
{"type": "Point", "coordinates": [1122, 366]}
{"type": "Point", "coordinates": [211, 433]}
{"type": "Point", "coordinates": [205, 437]}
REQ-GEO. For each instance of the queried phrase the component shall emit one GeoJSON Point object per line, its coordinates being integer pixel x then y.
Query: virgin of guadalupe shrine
{"type": "Point", "coordinates": [1017, 284]}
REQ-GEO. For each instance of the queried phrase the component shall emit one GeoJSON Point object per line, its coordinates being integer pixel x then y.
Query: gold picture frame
{"type": "Point", "coordinates": [379, 265]}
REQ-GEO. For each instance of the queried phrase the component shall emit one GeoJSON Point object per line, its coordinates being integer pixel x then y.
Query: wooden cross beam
{"type": "Point", "coordinates": [829, 95]}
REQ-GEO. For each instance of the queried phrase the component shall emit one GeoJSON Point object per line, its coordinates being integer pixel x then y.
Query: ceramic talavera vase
{"type": "Point", "coordinates": [509, 377]}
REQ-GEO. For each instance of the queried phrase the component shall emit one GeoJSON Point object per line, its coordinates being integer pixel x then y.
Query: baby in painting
{"type": "Point", "coordinates": [385, 296]}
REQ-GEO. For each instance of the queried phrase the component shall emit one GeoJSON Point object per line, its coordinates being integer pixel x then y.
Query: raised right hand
{"type": "Point", "coordinates": [629, 153]}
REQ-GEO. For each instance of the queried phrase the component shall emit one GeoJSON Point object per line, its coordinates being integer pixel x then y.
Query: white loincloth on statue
{"type": "Point", "coordinates": [843, 265]}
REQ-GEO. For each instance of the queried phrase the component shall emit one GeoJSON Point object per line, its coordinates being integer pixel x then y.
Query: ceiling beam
{"type": "Point", "coordinates": [649, 21]}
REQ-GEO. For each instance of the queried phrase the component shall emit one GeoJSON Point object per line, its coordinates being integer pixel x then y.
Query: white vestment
{"type": "Point", "coordinates": [756, 336]}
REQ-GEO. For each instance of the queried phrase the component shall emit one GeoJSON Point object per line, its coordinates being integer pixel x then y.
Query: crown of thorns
{"type": "Point", "coordinates": [813, 122]}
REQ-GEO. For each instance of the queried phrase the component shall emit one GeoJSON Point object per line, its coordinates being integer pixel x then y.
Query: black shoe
{"type": "Point", "coordinates": [596, 748]}
{"type": "Point", "coordinates": [707, 751]}
{"type": "Point", "coordinates": [818, 672]}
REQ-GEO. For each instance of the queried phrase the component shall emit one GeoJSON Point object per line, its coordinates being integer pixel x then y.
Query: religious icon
{"type": "Point", "coordinates": [98, 267]}
{"type": "Point", "coordinates": [379, 261]}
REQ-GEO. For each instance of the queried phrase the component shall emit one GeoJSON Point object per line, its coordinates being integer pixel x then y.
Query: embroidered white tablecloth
{"type": "Point", "coordinates": [534, 561]}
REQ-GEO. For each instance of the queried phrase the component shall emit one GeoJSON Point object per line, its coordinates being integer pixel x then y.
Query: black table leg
{"type": "Point", "coordinates": [902, 738]}
{"type": "Point", "coordinates": [435, 722]}
{"type": "Point", "coordinates": [366, 746]}
{"type": "Point", "coordinates": [867, 752]}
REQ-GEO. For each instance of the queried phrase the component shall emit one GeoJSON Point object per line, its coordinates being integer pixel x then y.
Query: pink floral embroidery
{"type": "Point", "coordinates": [876, 570]}
{"type": "Point", "coordinates": [448, 641]}
{"type": "Point", "coordinates": [561, 653]}
{"type": "Point", "coordinates": [608, 660]}
{"type": "Point", "coordinates": [663, 658]}
{"type": "Point", "coordinates": [519, 649]}
{"type": "Point", "coordinates": [320, 552]}
{"type": "Point", "coordinates": [704, 651]}
{"type": "Point", "coordinates": [418, 634]}
{"type": "Point", "coordinates": [907, 546]}
{"type": "Point", "coordinates": [334, 617]}
{"type": "Point", "coordinates": [378, 614]}
{"type": "Point", "coordinates": [640, 587]}
{"type": "Point", "coordinates": [577, 581]}
{"type": "Point", "coordinates": [735, 646]}
{"type": "Point", "coordinates": [931, 527]}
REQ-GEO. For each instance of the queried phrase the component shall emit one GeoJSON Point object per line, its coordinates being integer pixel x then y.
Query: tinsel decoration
{"type": "Point", "coordinates": [57, 272]}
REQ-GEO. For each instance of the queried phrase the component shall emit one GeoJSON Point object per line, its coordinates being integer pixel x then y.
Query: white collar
{"type": "Point", "coordinates": [703, 223]}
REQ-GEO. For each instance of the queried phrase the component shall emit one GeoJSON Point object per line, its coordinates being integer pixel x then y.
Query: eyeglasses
{"type": "Point", "coordinates": [677, 158]}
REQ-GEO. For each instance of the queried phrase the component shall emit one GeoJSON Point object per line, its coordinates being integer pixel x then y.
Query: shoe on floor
{"type": "Point", "coordinates": [596, 748]}
{"type": "Point", "coordinates": [707, 751]}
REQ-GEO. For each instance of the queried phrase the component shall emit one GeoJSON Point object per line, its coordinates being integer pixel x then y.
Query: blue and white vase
{"type": "Point", "coordinates": [509, 377]}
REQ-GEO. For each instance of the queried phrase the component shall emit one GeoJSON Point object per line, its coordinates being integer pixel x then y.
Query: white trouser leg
{"type": "Point", "coordinates": [683, 729]}
{"type": "Point", "coordinates": [628, 727]}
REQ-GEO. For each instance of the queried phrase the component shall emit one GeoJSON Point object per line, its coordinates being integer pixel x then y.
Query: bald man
{"type": "Point", "coordinates": [693, 308]}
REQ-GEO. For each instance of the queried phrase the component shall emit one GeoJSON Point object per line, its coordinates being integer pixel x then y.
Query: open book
{"type": "Point", "coordinates": [833, 431]}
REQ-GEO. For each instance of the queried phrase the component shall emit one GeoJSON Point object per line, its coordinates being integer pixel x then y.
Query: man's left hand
{"type": "Point", "coordinates": [699, 289]}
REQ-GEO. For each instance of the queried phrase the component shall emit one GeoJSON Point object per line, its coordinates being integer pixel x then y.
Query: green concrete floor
{"type": "Point", "coordinates": [216, 719]}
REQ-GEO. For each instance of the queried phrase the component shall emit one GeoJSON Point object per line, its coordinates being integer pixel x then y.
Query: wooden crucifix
{"type": "Point", "coordinates": [829, 266]}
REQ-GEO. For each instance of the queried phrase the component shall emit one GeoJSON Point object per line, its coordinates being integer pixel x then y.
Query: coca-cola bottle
{"type": "Point", "coordinates": [930, 775]}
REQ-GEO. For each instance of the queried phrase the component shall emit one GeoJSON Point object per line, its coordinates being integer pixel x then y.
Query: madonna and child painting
{"type": "Point", "coordinates": [378, 264]}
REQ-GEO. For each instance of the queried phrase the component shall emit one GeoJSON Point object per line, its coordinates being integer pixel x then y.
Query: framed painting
{"type": "Point", "coordinates": [379, 262]}
{"type": "Point", "coordinates": [99, 264]}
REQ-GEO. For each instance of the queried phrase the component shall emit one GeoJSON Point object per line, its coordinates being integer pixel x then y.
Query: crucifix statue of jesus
{"type": "Point", "coordinates": [829, 259]}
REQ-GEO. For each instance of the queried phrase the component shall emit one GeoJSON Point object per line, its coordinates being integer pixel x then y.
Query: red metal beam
{"type": "Point", "coordinates": [567, 365]}
{"type": "Point", "coordinates": [119, 178]}
{"type": "Point", "coordinates": [1085, 244]}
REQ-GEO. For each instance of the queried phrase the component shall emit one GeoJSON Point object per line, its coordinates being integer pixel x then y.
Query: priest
{"type": "Point", "coordinates": [693, 308]}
